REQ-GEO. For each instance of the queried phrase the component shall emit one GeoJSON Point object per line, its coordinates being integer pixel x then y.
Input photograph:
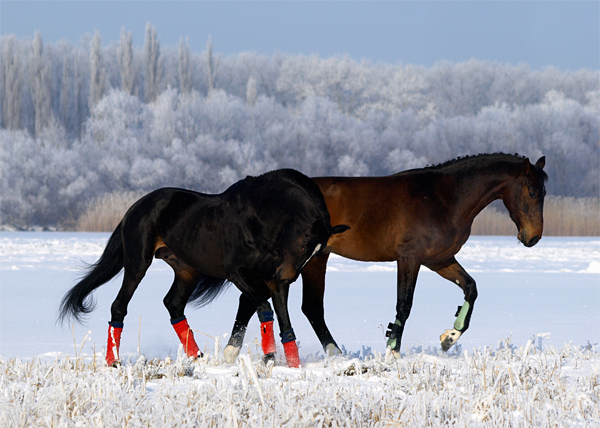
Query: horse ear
{"type": "Point", "coordinates": [527, 166]}
{"type": "Point", "coordinates": [541, 162]}
{"type": "Point", "coordinates": [340, 228]}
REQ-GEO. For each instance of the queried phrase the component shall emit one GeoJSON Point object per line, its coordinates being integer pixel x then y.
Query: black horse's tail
{"type": "Point", "coordinates": [76, 301]}
{"type": "Point", "coordinates": [207, 290]}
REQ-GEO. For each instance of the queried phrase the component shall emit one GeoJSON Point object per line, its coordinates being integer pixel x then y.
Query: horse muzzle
{"type": "Point", "coordinates": [527, 241]}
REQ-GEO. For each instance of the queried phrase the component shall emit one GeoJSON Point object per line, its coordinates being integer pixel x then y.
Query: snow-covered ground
{"type": "Point", "coordinates": [530, 357]}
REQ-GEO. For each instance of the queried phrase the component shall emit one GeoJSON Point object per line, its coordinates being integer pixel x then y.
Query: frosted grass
{"type": "Point", "coordinates": [507, 387]}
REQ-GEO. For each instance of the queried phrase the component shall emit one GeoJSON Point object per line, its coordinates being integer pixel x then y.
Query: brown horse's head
{"type": "Point", "coordinates": [524, 199]}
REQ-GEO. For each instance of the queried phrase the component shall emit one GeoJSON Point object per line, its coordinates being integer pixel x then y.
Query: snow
{"type": "Point", "coordinates": [530, 357]}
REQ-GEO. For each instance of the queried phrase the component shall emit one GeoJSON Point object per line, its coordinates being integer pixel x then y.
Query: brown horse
{"type": "Point", "coordinates": [417, 217]}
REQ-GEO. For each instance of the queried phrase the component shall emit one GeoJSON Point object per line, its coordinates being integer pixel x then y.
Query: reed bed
{"type": "Point", "coordinates": [563, 216]}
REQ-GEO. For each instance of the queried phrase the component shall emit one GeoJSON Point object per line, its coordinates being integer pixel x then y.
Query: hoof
{"type": "Point", "coordinates": [269, 358]}
{"type": "Point", "coordinates": [390, 354]}
{"type": "Point", "coordinates": [332, 350]}
{"type": "Point", "coordinates": [449, 338]}
{"type": "Point", "coordinates": [115, 364]}
{"type": "Point", "coordinates": [231, 353]}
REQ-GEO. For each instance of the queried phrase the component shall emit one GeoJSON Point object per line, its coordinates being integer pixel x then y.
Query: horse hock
{"type": "Point", "coordinates": [114, 342]}
{"type": "Point", "coordinates": [186, 337]}
{"type": "Point", "coordinates": [450, 337]}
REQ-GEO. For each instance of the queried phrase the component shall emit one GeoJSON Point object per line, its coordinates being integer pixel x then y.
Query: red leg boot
{"type": "Point", "coordinates": [290, 348]}
{"type": "Point", "coordinates": [267, 338]}
{"type": "Point", "coordinates": [113, 343]}
{"type": "Point", "coordinates": [291, 354]}
{"type": "Point", "coordinates": [186, 336]}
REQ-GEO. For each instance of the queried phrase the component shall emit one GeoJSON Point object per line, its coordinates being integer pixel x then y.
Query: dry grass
{"type": "Point", "coordinates": [511, 386]}
{"type": "Point", "coordinates": [105, 213]}
{"type": "Point", "coordinates": [563, 216]}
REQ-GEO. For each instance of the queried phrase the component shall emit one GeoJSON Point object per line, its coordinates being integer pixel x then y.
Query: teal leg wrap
{"type": "Point", "coordinates": [392, 341]}
{"type": "Point", "coordinates": [459, 324]}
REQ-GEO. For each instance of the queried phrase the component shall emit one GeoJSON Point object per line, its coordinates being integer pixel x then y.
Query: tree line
{"type": "Point", "coordinates": [82, 121]}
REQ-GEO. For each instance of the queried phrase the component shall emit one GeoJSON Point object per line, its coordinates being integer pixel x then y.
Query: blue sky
{"type": "Point", "coordinates": [564, 34]}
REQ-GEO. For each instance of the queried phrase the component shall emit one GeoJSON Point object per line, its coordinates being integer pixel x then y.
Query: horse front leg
{"type": "Point", "coordinates": [245, 311]}
{"type": "Point", "coordinates": [279, 293]}
{"type": "Point", "coordinates": [408, 270]}
{"type": "Point", "coordinates": [456, 273]}
{"type": "Point", "coordinates": [313, 291]}
{"type": "Point", "coordinates": [255, 295]}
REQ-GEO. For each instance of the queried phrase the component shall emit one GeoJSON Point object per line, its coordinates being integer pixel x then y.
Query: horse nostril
{"type": "Point", "coordinates": [533, 241]}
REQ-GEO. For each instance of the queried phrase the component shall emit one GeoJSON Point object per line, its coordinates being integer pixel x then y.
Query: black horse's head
{"type": "Point", "coordinates": [524, 200]}
{"type": "Point", "coordinates": [299, 242]}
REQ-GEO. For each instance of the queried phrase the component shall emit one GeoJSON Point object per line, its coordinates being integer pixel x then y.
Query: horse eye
{"type": "Point", "coordinates": [532, 194]}
{"type": "Point", "coordinates": [303, 248]}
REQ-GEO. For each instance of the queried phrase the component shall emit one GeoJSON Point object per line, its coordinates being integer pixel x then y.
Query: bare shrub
{"type": "Point", "coordinates": [563, 216]}
{"type": "Point", "coordinates": [105, 212]}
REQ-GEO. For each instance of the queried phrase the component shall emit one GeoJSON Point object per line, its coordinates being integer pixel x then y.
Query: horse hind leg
{"type": "Point", "coordinates": [313, 291]}
{"type": "Point", "coordinates": [131, 279]}
{"type": "Point", "coordinates": [186, 279]}
{"type": "Point", "coordinates": [456, 273]}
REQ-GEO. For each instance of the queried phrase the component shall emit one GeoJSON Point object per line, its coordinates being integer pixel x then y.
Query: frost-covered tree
{"type": "Point", "coordinates": [126, 63]}
{"type": "Point", "coordinates": [12, 84]}
{"type": "Point", "coordinates": [65, 105]}
{"type": "Point", "coordinates": [97, 75]}
{"type": "Point", "coordinates": [40, 84]}
{"type": "Point", "coordinates": [184, 66]}
{"type": "Point", "coordinates": [151, 63]}
{"type": "Point", "coordinates": [210, 66]}
{"type": "Point", "coordinates": [79, 94]}
{"type": "Point", "coordinates": [251, 91]}
{"type": "Point", "coordinates": [332, 116]}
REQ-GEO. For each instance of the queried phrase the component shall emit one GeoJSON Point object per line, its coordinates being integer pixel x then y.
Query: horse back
{"type": "Point", "coordinates": [185, 222]}
{"type": "Point", "coordinates": [388, 216]}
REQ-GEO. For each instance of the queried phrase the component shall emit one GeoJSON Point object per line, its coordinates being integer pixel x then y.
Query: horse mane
{"type": "Point", "coordinates": [470, 160]}
{"type": "Point", "coordinates": [475, 158]}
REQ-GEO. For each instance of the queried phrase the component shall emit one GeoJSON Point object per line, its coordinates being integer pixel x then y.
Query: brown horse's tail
{"type": "Point", "coordinates": [76, 302]}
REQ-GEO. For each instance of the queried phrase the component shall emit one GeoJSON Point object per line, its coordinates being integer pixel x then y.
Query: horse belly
{"type": "Point", "coordinates": [360, 244]}
{"type": "Point", "coordinates": [202, 256]}
{"type": "Point", "coordinates": [373, 221]}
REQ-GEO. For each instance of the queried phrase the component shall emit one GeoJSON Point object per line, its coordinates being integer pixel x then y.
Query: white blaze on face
{"type": "Point", "coordinates": [317, 248]}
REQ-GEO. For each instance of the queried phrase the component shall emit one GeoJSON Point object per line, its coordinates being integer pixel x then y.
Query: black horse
{"type": "Point", "coordinates": [258, 234]}
{"type": "Point", "coordinates": [420, 217]}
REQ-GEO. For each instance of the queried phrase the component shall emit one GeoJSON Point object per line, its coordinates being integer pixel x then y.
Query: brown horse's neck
{"type": "Point", "coordinates": [484, 183]}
